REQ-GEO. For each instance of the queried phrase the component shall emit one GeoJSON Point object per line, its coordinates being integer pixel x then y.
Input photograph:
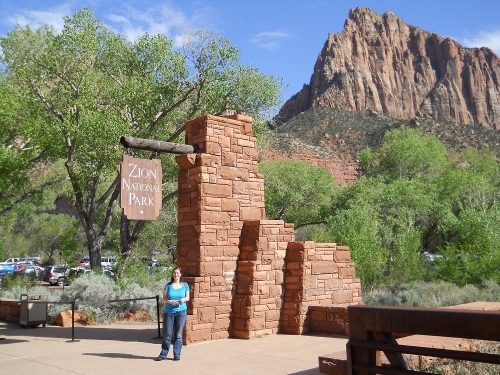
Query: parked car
{"type": "Point", "coordinates": [11, 261]}
{"type": "Point", "coordinates": [7, 269]}
{"type": "Point", "coordinates": [32, 271]}
{"type": "Point", "coordinates": [55, 275]}
{"type": "Point", "coordinates": [83, 261]}
{"type": "Point", "coordinates": [108, 262]}
{"type": "Point", "coordinates": [30, 260]}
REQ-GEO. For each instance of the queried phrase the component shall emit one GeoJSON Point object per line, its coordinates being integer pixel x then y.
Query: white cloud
{"type": "Point", "coordinates": [490, 39]}
{"type": "Point", "coordinates": [126, 18]}
{"type": "Point", "coordinates": [164, 19]}
{"type": "Point", "coordinates": [36, 18]}
{"type": "Point", "coordinates": [270, 40]}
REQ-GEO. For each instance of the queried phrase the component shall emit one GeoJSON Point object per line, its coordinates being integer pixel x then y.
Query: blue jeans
{"type": "Point", "coordinates": [174, 324]}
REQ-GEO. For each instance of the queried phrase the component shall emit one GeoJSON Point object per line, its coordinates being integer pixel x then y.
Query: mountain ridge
{"type": "Point", "coordinates": [381, 63]}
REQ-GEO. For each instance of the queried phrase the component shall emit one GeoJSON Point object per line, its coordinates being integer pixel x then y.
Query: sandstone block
{"type": "Point", "coordinates": [200, 335]}
{"type": "Point", "coordinates": [342, 256]}
{"type": "Point", "coordinates": [211, 268]}
{"type": "Point", "coordinates": [323, 267]}
{"type": "Point", "coordinates": [342, 296]}
{"type": "Point", "coordinates": [64, 319]}
{"type": "Point", "coordinates": [251, 213]}
{"type": "Point", "coordinates": [206, 315]}
{"type": "Point", "coordinates": [215, 190]}
{"type": "Point", "coordinates": [255, 324]}
{"type": "Point", "coordinates": [213, 217]}
{"type": "Point", "coordinates": [347, 273]}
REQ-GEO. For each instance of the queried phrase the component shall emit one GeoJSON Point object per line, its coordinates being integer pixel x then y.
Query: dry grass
{"type": "Point", "coordinates": [454, 367]}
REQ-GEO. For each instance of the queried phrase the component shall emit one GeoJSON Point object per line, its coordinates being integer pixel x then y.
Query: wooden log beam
{"type": "Point", "coordinates": [157, 146]}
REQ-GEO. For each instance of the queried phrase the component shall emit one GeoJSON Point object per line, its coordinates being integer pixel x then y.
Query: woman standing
{"type": "Point", "coordinates": [175, 296]}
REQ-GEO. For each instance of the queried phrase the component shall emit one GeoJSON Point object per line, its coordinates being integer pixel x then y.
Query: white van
{"type": "Point", "coordinates": [11, 261]}
{"type": "Point", "coordinates": [108, 262]}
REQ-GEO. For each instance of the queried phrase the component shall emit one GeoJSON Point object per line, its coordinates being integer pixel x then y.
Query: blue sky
{"type": "Point", "coordinates": [282, 38]}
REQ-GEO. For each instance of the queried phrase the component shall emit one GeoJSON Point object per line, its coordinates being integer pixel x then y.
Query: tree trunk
{"type": "Point", "coordinates": [95, 250]}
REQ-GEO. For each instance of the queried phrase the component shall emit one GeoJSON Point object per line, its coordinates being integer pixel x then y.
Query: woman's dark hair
{"type": "Point", "coordinates": [181, 279]}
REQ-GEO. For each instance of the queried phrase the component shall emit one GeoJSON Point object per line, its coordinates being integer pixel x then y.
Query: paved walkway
{"type": "Point", "coordinates": [131, 348]}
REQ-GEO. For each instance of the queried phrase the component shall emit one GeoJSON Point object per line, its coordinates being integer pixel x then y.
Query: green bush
{"type": "Point", "coordinates": [13, 287]}
{"type": "Point", "coordinates": [92, 293]}
{"type": "Point", "coordinates": [433, 294]}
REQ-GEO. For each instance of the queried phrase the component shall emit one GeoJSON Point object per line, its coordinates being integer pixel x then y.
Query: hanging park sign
{"type": "Point", "coordinates": [140, 181]}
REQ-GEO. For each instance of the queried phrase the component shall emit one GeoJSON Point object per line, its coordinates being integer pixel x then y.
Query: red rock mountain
{"type": "Point", "coordinates": [382, 64]}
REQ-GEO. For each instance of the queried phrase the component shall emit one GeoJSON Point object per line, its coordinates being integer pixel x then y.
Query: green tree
{"type": "Point", "coordinates": [406, 154]}
{"type": "Point", "coordinates": [358, 228]}
{"type": "Point", "coordinates": [295, 191]}
{"type": "Point", "coordinates": [383, 224]}
{"type": "Point", "coordinates": [21, 174]}
{"type": "Point", "coordinates": [423, 202]}
{"type": "Point", "coordinates": [470, 219]}
{"type": "Point", "coordinates": [399, 205]}
{"type": "Point", "coordinates": [86, 87]}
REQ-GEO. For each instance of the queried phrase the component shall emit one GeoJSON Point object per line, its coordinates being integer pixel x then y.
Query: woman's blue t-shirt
{"type": "Point", "coordinates": [176, 294]}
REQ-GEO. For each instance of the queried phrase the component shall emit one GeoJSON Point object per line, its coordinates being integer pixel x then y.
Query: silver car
{"type": "Point", "coordinates": [55, 275]}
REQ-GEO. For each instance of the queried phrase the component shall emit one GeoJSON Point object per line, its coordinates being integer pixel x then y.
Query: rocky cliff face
{"type": "Point", "coordinates": [382, 64]}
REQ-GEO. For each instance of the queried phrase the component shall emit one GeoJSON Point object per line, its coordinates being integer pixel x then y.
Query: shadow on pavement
{"type": "Point", "coordinates": [120, 355]}
{"type": "Point", "coordinates": [313, 371]}
{"type": "Point", "coordinates": [116, 332]}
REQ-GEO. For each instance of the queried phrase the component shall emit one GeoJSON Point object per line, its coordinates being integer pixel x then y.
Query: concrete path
{"type": "Point", "coordinates": [123, 349]}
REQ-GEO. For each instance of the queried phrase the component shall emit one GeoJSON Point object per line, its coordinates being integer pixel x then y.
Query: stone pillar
{"type": "Point", "coordinates": [258, 302]}
{"type": "Point", "coordinates": [316, 275]}
{"type": "Point", "coordinates": [218, 189]}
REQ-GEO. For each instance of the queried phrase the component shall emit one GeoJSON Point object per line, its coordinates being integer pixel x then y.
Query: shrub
{"type": "Point", "coordinates": [13, 287]}
{"type": "Point", "coordinates": [133, 291]}
{"type": "Point", "coordinates": [455, 367]}
{"type": "Point", "coordinates": [435, 294]}
{"type": "Point", "coordinates": [91, 292]}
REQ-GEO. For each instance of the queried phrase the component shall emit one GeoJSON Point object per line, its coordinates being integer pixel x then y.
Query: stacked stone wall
{"type": "Point", "coordinates": [244, 279]}
{"type": "Point", "coordinates": [258, 302]}
{"type": "Point", "coordinates": [329, 319]}
{"type": "Point", "coordinates": [10, 309]}
{"type": "Point", "coordinates": [316, 275]}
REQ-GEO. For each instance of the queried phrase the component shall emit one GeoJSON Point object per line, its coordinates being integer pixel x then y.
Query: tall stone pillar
{"type": "Point", "coordinates": [218, 189]}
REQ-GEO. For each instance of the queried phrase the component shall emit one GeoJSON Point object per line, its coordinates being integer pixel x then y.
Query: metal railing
{"type": "Point", "coordinates": [73, 304]}
{"type": "Point", "coordinates": [374, 329]}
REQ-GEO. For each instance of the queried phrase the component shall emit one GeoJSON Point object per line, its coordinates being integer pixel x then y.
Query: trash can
{"type": "Point", "coordinates": [33, 309]}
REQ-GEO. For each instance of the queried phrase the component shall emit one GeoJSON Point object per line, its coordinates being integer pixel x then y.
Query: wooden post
{"type": "Point", "coordinates": [157, 146]}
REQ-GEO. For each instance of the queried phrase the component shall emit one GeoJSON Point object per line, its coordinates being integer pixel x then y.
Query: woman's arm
{"type": "Point", "coordinates": [186, 297]}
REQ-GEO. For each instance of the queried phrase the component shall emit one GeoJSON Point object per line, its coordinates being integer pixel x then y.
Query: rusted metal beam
{"type": "Point", "coordinates": [480, 325]}
{"type": "Point", "coordinates": [372, 330]}
{"type": "Point", "coordinates": [429, 352]}
{"type": "Point", "coordinates": [367, 369]}
{"type": "Point", "coordinates": [359, 355]}
{"type": "Point", "coordinates": [157, 146]}
{"type": "Point", "coordinates": [394, 358]}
